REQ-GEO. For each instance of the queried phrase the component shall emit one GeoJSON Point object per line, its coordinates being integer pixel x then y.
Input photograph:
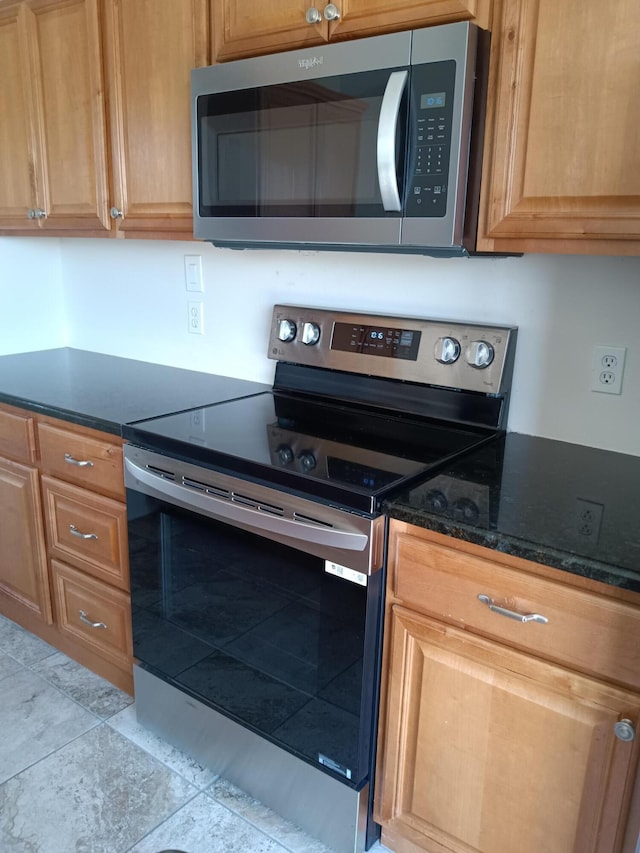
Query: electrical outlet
{"type": "Point", "coordinates": [588, 519]}
{"type": "Point", "coordinates": [607, 369]}
{"type": "Point", "coordinates": [196, 318]}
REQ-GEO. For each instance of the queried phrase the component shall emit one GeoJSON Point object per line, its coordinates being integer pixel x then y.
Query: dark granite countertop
{"type": "Point", "coordinates": [563, 505]}
{"type": "Point", "coordinates": [105, 392]}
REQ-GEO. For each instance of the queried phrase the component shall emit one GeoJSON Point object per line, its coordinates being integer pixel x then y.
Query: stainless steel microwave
{"type": "Point", "coordinates": [366, 144]}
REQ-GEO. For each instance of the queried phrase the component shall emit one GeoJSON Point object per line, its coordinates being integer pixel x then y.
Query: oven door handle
{"type": "Point", "coordinates": [260, 522]}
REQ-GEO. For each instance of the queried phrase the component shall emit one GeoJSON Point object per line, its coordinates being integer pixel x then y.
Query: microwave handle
{"type": "Point", "coordinates": [387, 126]}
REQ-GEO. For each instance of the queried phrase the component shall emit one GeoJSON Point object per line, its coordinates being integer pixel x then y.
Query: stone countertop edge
{"type": "Point", "coordinates": [111, 427]}
{"type": "Point", "coordinates": [506, 544]}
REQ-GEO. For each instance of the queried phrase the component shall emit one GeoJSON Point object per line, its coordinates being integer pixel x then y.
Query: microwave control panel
{"type": "Point", "coordinates": [431, 114]}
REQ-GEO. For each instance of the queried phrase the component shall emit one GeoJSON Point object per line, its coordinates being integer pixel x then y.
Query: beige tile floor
{"type": "Point", "coordinates": [77, 773]}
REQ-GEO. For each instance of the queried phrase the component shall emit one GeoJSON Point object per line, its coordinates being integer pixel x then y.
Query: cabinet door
{"type": "Point", "coordinates": [66, 70]}
{"type": "Point", "coordinates": [485, 749]}
{"type": "Point", "coordinates": [249, 28]}
{"type": "Point", "coordinates": [17, 152]}
{"type": "Point", "coordinates": [369, 17]}
{"type": "Point", "coordinates": [23, 560]}
{"type": "Point", "coordinates": [562, 152]}
{"type": "Point", "coordinates": [152, 45]}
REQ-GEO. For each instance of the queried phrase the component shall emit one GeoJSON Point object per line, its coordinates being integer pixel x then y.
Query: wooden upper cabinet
{"type": "Point", "coordinates": [55, 135]}
{"type": "Point", "coordinates": [248, 28]}
{"type": "Point", "coordinates": [17, 137]}
{"type": "Point", "coordinates": [562, 152]}
{"type": "Point", "coordinates": [370, 17]}
{"type": "Point", "coordinates": [242, 28]}
{"type": "Point", "coordinates": [151, 47]}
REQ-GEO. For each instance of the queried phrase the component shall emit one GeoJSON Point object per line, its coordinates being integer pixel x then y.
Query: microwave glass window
{"type": "Point", "coordinates": [295, 149]}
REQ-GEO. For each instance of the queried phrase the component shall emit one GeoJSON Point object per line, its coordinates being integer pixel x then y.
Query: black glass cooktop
{"type": "Point", "coordinates": [337, 452]}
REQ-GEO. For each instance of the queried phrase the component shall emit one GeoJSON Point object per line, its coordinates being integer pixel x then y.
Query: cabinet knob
{"type": "Point", "coordinates": [331, 12]}
{"type": "Point", "coordinates": [115, 213]}
{"type": "Point", "coordinates": [625, 730]}
{"type": "Point", "coordinates": [36, 213]}
{"type": "Point", "coordinates": [313, 15]}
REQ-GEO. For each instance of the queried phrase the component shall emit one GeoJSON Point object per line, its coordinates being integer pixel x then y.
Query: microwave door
{"type": "Point", "coordinates": [306, 162]}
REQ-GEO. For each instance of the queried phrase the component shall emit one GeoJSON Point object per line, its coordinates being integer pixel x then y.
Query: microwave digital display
{"type": "Point", "coordinates": [432, 100]}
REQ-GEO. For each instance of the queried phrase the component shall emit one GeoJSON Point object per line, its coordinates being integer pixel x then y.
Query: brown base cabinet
{"type": "Point", "coordinates": [64, 569]}
{"type": "Point", "coordinates": [499, 736]}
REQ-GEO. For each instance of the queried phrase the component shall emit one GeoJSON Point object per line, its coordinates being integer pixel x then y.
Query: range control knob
{"type": "Point", "coordinates": [479, 354]}
{"type": "Point", "coordinates": [307, 461]}
{"type": "Point", "coordinates": [447, 350]}
{"type": "Point", "coordinates": [310, 334]}
{"type": "Point", "coordinates": [285, 454]}
{"type": "Point", "coordinates": [286, 330]}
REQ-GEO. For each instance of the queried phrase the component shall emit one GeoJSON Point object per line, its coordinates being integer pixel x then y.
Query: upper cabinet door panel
{"type": "Point", "coordinates": [17, 178]}
{"type": "Point", "coordinates": [152, 45]}
{"type": "Point", "coordinates": [248, 28]}
{"type": "Point", "coordinates": [368, 17]}
{"type": "Point", "coordinates": [70, 114]}
{"type": "Point", "coordinates": [562, 154]}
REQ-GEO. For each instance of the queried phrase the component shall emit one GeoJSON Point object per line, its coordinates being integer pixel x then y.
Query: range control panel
{"type": "Point", "coordinates": [469, 356]}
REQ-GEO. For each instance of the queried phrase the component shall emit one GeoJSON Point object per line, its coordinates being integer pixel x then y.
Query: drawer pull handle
{"type": "Point", "coordinates": [81, 463]}
{"type": "Point", "coordinates": [511, 614]}
{"type": "Point", "coordinates": [73, 530]}
{"type": "Point", "coordinates": [84, 618]}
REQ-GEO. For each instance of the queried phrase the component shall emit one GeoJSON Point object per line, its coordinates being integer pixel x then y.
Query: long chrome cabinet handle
{"type": "Point", "coordinates": [512, 614]}
{"type": "Point", "coordinates": [81, 463]}
{"type": "Point", "coordinates": [386, 149]}
{"type": "Point", "coordinates": [84, 618]}
{"type": "Point", "coordinates": [73, 530]}
{"type": "Point", "coordinates": [215, 508]}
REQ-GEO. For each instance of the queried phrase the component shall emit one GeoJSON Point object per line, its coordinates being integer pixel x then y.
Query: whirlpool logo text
{"type": "Point", "coordinates": [312, 62]}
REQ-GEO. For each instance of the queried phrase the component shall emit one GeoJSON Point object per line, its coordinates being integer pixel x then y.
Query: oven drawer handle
{"type": "Point", "coordinates": [216, 508]}
{"type": "Point", "coordinates": [512, 614]}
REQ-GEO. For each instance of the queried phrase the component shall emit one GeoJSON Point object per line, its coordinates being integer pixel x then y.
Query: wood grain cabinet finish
{"type": "Point", "coordinates": [53, 161]}
{"type": "Point", "coordinates": [23, 559]}
{"type": "Point", "coordinates": [82, 459]}
{"type": "Point", "coordinates": [243, 29]}
{"type": "Point", "coordinates": [17, 436]}
{"type": "Point", "coordinates": [93, 614]}
{"type": "Point", "coordinates": [497, 735]}
{"type": "Point", "coordinates": [87, 530]}
{"type": "Point", "coordinates": [561, 170]}
{"type": "Point", "coordinates": [150, 48]}
{"type": "Point", "coordinates": [63, 540]}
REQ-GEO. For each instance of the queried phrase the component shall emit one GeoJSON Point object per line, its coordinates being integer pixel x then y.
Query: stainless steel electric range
{"type": "Point", "coordinates": [257, 549]}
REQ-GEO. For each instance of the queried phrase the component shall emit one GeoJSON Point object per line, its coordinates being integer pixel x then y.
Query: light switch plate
{"type": "Point", "coordinates": [193, 273]}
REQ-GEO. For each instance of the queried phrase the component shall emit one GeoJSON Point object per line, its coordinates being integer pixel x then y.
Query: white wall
{"type": "Point", "coordinates": [32, 315]}
{"type": "Point", "coordinates": [129, 298]}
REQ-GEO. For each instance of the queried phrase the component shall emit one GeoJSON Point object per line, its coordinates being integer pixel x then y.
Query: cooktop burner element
{"type": "Point", "coordinates": [360, 405]}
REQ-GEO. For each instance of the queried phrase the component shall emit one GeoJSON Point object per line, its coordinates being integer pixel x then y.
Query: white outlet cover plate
{"type": "Point", "coordinates": [607, 368]}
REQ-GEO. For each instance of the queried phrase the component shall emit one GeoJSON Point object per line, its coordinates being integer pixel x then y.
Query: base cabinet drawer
{"type": "Point", "coordinates": [447, 584]}
{"type": "Point", "coordinates": [78, 458]}
{"type": "Point", "coordinates": [87, 530]}
{"type": "Point", "coordinates": [93, 613]}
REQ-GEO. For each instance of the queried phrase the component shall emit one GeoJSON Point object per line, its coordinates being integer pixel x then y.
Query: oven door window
{"type": "Point", "coordinates": [305, 149]}
{"type": "Point", "coordinates": [256, 630]}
